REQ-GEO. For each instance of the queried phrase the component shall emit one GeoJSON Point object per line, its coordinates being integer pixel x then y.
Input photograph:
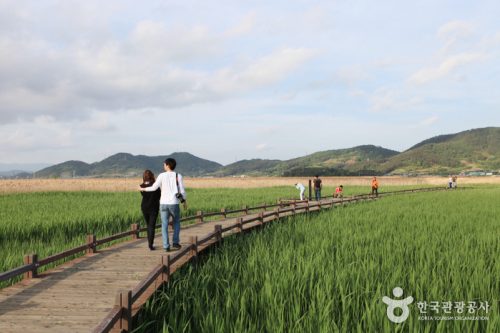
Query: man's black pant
{"type": "Point", "coordinates": [150, 218]}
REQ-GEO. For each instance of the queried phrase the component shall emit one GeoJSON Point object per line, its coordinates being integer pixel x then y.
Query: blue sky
{"type": "Point", "coordinates": [231, 80]}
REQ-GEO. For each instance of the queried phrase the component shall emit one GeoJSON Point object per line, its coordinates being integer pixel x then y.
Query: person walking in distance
{"type": "Point", "coordinates": [339, 192]}
{"type": "Point", "coordinates": [150, 206]}
{"type": "Point", "coordinates": [375, 186]}
{"type": "Point", "coordinates": [317, 187]}
{"type": "Point", "coordinates": [450, 181]}
{"type": "Point", "coordinates": [172, 193]}
{"type": "Point", "coordinates": [302, 189]}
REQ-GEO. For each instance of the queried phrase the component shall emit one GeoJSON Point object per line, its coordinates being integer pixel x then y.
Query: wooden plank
{"type": "Point", "coordinates": [78, 295]}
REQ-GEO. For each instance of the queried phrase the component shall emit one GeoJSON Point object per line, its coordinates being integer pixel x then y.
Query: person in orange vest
{"type": "Point", "coordinates": [375, 186]}
{"type": "Point", "coordinates": [339, 192]}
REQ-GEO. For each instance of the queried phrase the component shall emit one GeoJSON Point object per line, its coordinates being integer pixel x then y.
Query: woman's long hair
{"type": "Point", "coordinates": [148, 177]}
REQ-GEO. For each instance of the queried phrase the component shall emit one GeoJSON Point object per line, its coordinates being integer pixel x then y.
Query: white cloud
{"type": "Point", "coordinates": [491, 41]}
{"type": "Point", "coordinates": [262, 72]}
{"type": "Point", "coordinates": [92, 75]}
{"type": "Point", "coordinates": [384, 99]}
{"type": "Point", "coordinates": [99, 121]}
{"type": "Point", "coordinates": [273, 67]}
{"type": "Point", "coordinates": [454, 35]}
{"type": "Point", "coordinates": [429, 121]}
{"type": "Point", "coordinates": [245, 26]}
{"type": "Point", "coordinates": [154, 41]}
{"type": "Point", "coordinates": [149, 68]}
{"type": "Point", "coordinates": [352, 74]}
{"type": "Point", "coordinates": [44, 132]}
{"type": "Point", "coordinates": [446, 67]}
{"type": "Point", "coordinates": [460, 48]}
{"type": "Point", "coordinates": [455, 29]}
{"type": "Point", "coordinates": [261, 146]}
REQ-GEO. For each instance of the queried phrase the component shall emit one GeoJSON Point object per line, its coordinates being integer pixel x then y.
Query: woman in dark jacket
{"type": "Point", "coordinates": [150, 206]}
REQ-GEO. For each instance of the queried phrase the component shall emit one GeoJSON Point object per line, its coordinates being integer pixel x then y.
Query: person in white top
{"type": "Point", "coordinates": [172, 193]}
{"type": "Point", "coordinates": [302, 189]}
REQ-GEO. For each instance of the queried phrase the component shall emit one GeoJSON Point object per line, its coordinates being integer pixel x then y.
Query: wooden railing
{"type": "Point", "coordinates": [120, 317]}
{"type": "Point", "coordinates": [32, 263]}
{"type": "Point", "coordinates": [121, 314]}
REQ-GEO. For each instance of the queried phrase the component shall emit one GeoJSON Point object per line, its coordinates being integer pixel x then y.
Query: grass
{"type": "Point", "coordinates": [130, 184]}
{"type": "Point", "coordinates": [50, 222]}
{"type": "Point", "coordinates": [328, 272]}
{"type": "Point", "coordinates": [46, 223]}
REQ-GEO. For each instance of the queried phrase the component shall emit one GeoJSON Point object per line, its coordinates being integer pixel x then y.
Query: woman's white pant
{"type": "Point", "coordinates": [302, 194]}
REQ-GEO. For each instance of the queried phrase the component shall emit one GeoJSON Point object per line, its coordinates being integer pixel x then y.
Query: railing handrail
{"type": "Point", "coordinates": [67, 253]}
{"type": "Point", "coordinates": [58, 256]}
{"type": "Point", "coordinates": [16, 272]}
{"type": "Point", "coordinates": [121, 313]}
{"type": "Point", "coordinates": [187, 251]}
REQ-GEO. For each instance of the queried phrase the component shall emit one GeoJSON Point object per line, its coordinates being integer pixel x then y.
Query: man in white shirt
{"type": "Point", "coordinates": [172, 192]}
{"type": "Point", "coordinates": [302, 189]}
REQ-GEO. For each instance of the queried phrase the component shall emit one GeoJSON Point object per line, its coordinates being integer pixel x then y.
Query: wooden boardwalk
{"type": "Point", "coordinates": [78, 295]}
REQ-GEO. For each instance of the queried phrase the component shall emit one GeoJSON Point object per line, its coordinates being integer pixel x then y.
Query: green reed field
{"type": "Point", "coordinates": [48, 223]}
{"type": "Point", "coordinates": [51, 222]}
{"type": "Point", "coordinates": [328, 272]}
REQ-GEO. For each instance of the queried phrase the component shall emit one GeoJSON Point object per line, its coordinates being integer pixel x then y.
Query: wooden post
{"type": "Point", "coordinates": [261, 218]}
{"type": "Point", "coordinates": [91, 239]}
{"type": "Point", "coordinates": [193, 240]}
{"type": "Point", "coordinates": [239, 220]}
{"type": "Point", "coordinates": [310, 190]}
{"type": "Point", "coordinates": [264, 207]}
{"type": "Point", "coordinates": [118, 303]}
{"type": "Point", "coordinates": [276, 213]}
{"type": "Point", "coordinates": [246, 209]}
{"type": "Point", "coordinates": [31, 259]}
{"type": "Point", "coordinates": [165, 261]}
{"type": "Point", "coordinates": [218, 230]}
{"type": "Point", "coordinates": [135, 228]}
{"type": "Point", "coordinates": [124, 301]}
{"type": "Point", "coordinates": [223, 211]}
{"type": "Point", "coordinates": [199, 217]}
{"type": "Point", "coordinates": [307, 207]}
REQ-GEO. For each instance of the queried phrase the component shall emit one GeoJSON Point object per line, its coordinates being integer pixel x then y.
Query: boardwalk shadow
{"type": "Point", "coordinates": [23, 298]}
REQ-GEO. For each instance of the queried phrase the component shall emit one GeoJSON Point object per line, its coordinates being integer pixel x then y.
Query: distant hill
{"type": "Point", "coordinates": [360, 160]}
{"type": "Point", "coordinates": [65, 170]}
{"type": "Point", "coordinates": [477, 149]}
{"type": "Point", "coordinates": [341, 162]}
{"type": "Point", "coordinates": [128, 165]}
{"type": "Point", "coordinates": [15, 174]}
{"type": "Point", "coordinates": [254, 167]}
